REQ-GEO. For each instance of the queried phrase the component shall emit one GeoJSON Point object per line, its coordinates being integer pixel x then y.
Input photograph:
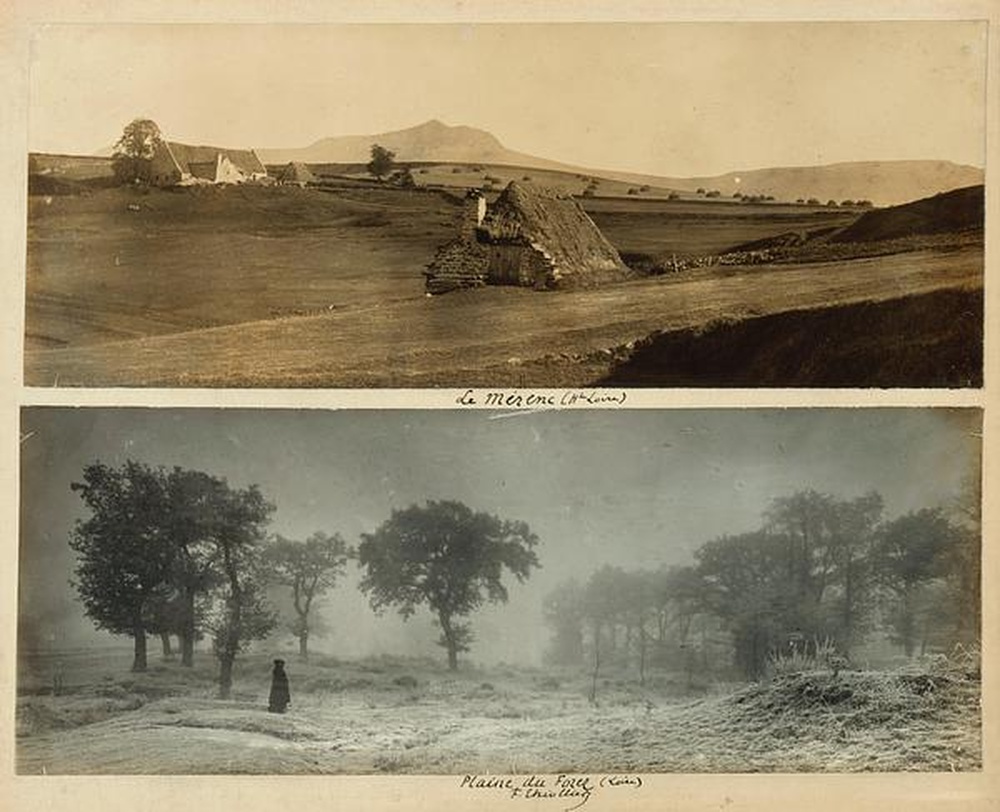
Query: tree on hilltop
{"type": "Point", "coordinates": [448, 557]}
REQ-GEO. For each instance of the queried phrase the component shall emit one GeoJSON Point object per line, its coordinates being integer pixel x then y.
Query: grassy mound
{"type": "Point", "coordinates": [932, 339]}
{"type": "Point", "coordinates": [951, 211]}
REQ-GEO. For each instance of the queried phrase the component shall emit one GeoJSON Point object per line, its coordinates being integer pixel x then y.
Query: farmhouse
{"type": "Point", "coordinates": [175, 163]}
{"type": "Point", "coordinates": [531, 237]}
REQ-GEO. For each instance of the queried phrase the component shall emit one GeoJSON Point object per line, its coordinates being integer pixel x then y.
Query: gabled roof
{"type": "Point", "coordinates": [185, 155]}
{"type": "Point", "coordinates": [556, 225]}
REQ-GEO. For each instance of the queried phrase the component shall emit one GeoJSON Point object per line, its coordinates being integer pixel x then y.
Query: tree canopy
{"type": "Point", "coordinates": [383, 161]}
{"type": "Point", "coordinates": [135, 149]}
{"type": "Point", "coordinates": [158, 543]}
{"type": "Point", "coordinates": [448, 557]}
{"type": "Point", "coordinates": [124, 555]}
{"type": "Point", "coordinates": [310, 568]}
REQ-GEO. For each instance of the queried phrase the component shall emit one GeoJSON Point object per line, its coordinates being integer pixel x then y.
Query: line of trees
{"type": "Point", "coordinates": [183, 553]}
{"type": "Point", "coordinates": [819, 568]}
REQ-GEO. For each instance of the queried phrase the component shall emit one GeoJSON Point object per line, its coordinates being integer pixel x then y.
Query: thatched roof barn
{"type": "Point", "coordinates": [174, 163]}
{"type": "Point", "coordinates": [530, 236]}
{"type": "Point", "coordinates": [296, 173]}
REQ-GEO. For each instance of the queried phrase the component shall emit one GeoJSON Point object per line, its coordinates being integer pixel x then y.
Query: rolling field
{"type": "Point", "coordinates": [254, 286]}
{"type": "Point", "coordinates": [392, 715]}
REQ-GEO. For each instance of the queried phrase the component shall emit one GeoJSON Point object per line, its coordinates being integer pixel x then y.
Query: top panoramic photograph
{"type": "Point", "coordinates": [506, 205]}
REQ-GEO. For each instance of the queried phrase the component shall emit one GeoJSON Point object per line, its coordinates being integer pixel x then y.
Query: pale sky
{"type": "Point", "coordinates": [681, 99]}
{"type": "Point", "coordinates": [637, 489]}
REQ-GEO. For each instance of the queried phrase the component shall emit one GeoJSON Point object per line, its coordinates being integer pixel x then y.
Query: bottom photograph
{"type": "Point", "coordinates": [291, 591]}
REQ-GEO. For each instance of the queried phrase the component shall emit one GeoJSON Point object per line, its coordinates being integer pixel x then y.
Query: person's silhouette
{"type": "Point", "coordinates": [280, 697]}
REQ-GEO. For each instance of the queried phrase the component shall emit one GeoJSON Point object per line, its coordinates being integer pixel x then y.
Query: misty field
{"type": "Point", "coordinates": [255, 286]}
{"type": "Point", "coordinates": [399, 715]}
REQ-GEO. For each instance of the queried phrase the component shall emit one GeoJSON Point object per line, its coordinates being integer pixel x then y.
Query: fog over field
{"type": "Point", "coordinates": [636, 489]}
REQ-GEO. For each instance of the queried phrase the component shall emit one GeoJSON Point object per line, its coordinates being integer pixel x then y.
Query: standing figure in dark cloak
{"type": "Point", "coordinates": [280, 697]}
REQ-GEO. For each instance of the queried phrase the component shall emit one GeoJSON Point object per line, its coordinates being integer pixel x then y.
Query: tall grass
{"type": "Point", "coordinates": [797, 661]}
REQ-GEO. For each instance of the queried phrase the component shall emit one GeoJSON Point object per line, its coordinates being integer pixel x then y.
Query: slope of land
{"type": "Point", "coordinates": [957, 210]}
{"type": "Point", "coordinates": [488, 337]}
{"type": "Point", "coordinates": [883, 182]}
{"type": "Point", "coordinates": [391, 715]}
{"type": "Point", "coordinates": [118, 264]}
{"type": "Point", "coordinates": [855, 345]}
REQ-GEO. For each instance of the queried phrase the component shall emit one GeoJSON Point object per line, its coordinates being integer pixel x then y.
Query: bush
{"type": "Point", "coordinates": [405, 681]}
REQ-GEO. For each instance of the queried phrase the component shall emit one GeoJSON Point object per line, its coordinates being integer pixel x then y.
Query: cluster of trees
{"type": "Point", "coordinates": [819, 568]}
{"type": "Point", "coordinates": [180, 552]}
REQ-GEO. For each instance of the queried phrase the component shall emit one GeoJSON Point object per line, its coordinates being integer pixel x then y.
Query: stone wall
{"type": "Point", "coordinates": [460, 263]}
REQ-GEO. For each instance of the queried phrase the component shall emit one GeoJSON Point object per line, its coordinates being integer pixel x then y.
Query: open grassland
{"type": "Point", "coordinates": [389, 715]}
{"type": "Point", "coordinates": [253, 286]}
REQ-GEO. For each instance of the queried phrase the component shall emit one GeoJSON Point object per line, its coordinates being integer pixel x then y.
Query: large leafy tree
{"type": "Point", "coordinates": [965, 561]}
{"type": "Point", "coordinates": [192, 497]}
{"type": "Point", "coordinates": [912, 555]}
{"type": "Point", "coordinates": [124, 555]}
{"type": "Point", "coordinates": [382, 161]}
{"type": "Point", "coordinates": [563, 610]}
{"type": "Point", "coordinates": [310, 568]}
{"type": "Point", "coordinates": [134, 150]}
{"type": "Point", "coordinates": [241, 613]}
{"type": "Point", "coordinates": [745, 586]}
{"type": "Point", "coordinates": [448, 557]}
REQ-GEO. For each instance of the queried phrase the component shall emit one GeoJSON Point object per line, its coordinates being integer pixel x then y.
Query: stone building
{"type": "Point", "coordinates": [175, 163]}
{"type": "Point", "coordinates": [530, 237]}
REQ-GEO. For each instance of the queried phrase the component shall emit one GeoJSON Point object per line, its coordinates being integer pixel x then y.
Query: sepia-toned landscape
{"type": "Point", "coordinates": [434, 255]}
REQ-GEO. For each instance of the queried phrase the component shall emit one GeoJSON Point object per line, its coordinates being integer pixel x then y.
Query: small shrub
{"type": "Point", "coordinates": [456, 170]}
{"type": "Point", "coordinates": [405, 681]}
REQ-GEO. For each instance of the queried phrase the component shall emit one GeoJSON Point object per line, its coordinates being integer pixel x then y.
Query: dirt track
{"type": "Point", "coordinates": [486, 337]}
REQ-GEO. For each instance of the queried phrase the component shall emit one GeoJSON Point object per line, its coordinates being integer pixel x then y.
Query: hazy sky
{"type": "Point", "coordinates": [672, 99]}
{"type": "Point", "coordinates": [636, 489]}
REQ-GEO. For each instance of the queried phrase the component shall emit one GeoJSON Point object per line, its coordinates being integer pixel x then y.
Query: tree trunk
{"type": "Point", "coordinates": [187, 649]}
{"type": "Point", "coordinates": [139, 660]}
{"type": "Point", "coordinates": [168, 652]}
{"type": "Point", "coordinates": [907, 631]}
{"type": "Point", "coordinates": [449, 640]}
{"type": "Point", "coordinates": [597, 662]}
{"type": "Point", "coordinates": [304, 644]}
{"type": "Point", "coordinates": [187, 633]}
{"type": "Point", "coordinates": [642, 655]}
{"type": "Point", "coordinates": [225, 675]}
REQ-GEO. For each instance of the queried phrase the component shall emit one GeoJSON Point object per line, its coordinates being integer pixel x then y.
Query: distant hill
{"type": "Point", "coordinates": [956, 210]}
{"type": "Point", "coordinates": [431, 141]}
{"type": "Point", "coordinates": [882, 182]}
